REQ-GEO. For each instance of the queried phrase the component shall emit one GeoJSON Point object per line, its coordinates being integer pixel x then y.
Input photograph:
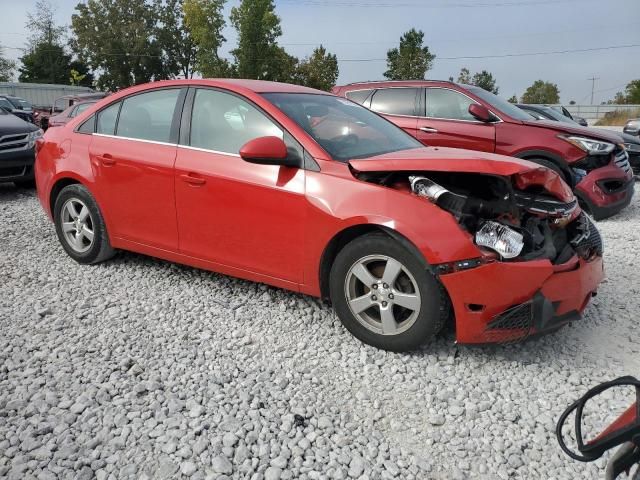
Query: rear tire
{"type": "Point", "coordinates": [80, 226]}
{"type": "Point", "coordinates": [385, 295]}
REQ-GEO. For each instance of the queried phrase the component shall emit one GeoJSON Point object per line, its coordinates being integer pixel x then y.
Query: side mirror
{"type": "Point", "coordinates": [598, 426]}
{"type": "Point", "coordinates": [480, 112]}
{"type": "Point", "coordinates": [632, 127]}
{"type": "Point", "coordinates": [267, 151]}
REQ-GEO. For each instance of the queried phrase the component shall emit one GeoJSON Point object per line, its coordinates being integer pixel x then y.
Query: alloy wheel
{"type": "Point", "coordinates": [77, 225]}
{"type": "Point", "coordinates": [382, 294]}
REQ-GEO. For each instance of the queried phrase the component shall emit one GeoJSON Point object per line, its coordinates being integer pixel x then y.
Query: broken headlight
{"type": "Point", "coordinates": [503, 240]}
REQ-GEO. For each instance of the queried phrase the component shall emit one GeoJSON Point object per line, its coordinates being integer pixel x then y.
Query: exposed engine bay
{"type": "Point", "coordinates": [516, 218]}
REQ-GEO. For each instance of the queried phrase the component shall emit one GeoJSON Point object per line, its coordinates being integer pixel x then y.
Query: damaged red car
{"type": "Point", "coordinates": [311, 192]}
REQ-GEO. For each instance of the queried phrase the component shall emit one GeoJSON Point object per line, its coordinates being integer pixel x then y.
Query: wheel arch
{"type": "Point", "coordinates": [348, 234]}
{"type": "Point", "coordinates": [531, 155]}
{"type": "Point", "coordinates": [57, 187]}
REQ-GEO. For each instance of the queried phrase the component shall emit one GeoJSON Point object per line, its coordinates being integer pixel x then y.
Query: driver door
{"type": "Point", "coordinates": [230, 212]}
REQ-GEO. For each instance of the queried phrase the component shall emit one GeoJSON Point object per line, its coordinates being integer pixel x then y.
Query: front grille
{"type": "Point", "coordinates": [512, 325]}
{"type": "Point", "coordinates": [589, 244]}
{"type": "Point", "coordinates": [622, 160]}
{"type": "Point", "coordinates": [9, 143]}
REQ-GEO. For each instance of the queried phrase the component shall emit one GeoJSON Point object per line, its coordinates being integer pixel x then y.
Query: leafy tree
{"type": "Point", "coordinates": [485, 80]}
{"type": "Point", "coordinates": [281, 67]}
{"type": "Point", "coordinates": [41, 23]}
{"type": "Point", "coordinates": [320, 70]}
{"type": "Point", "coordinates": [117, 38]}
{"type": "Point", "coordinates": [411, 60]}
{"type": "Point", "coordinates": [572, 102]}
{"type": "Point", "coordinates": [513, 99]}
{"type": "Point", "coordinates": [633, 92]}
{"type": "Point", "coordinates": [258, 55]}
{"type": "Point", "coordinates": [6, 67]}
{"type": "Point", "coordinates": [464, 76]}
{"type": "Point", "coordinates": [481, 79]}
{"type": "Point", "coordinates": [542, 92]}
{"type": "Point", "coordinates": [46, 63]}
{"type": "Point", "coordinates": [203, 20]}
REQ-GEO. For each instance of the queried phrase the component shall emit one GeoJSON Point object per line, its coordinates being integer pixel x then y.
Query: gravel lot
{"type": "Point", "coordinates": [139, 368]}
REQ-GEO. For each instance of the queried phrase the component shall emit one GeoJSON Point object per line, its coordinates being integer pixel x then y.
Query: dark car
{"type": "Point", "coordinates": [17, 106]}
{"type": "Point", "coordinates": [17, 142]}
{"type": "Point", "coordinates": [631, 142]}
{"type": "Point", "coordinates": [567, 113]}
{"type": "Point", "coordinates": [447, 114]}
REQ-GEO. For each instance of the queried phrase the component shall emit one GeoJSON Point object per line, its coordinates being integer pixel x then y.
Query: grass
{"type": "Point", "coordinates": [618, 118]}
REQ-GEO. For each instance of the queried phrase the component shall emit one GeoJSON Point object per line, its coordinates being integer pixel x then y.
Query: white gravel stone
{"type": "Point", "coordinates": [138, 368]}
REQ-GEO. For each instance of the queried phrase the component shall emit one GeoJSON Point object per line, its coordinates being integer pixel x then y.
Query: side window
{"type": "Point", "coordinates": [358, 96]}
{"type": "Point", "coordinates": [224, 123]}
{"type": "Point", "coordinates": [73, 112]}
{"type": "Point", "coordinates": [88, 126]}
{"type": "Point", "coordinates": [148, 116]}
{"type": "Point", "coordinates": [448, 104]}
{"type": "Point", "coordinates": [395, 101]}
{"type": "Point", "coordinates": [106, 123]}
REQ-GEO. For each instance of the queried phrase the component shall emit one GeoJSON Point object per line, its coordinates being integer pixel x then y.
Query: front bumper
{"type": "Point", "coordinates": [503, 302]}
{"type": "Point", "coordinates": [17, 166]}
{"type": "Point", "coordinates": [605, 191]}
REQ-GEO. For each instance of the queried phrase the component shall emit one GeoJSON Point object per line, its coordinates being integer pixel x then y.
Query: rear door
{"type": "Point", "coordinates": [230, 212]}
{"type": "Point", "coordinates": [399, 105]}
{"type": "Point", "coordinates": [446, 122]}
{"type": "Point", "coordinates": [133, 153]}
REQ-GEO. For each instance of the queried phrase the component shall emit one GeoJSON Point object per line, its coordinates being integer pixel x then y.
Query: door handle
{"type": "Point", "coordinates": [106, 160]}
{"type": "Point", "coordinates": [428, 130]}
{"type": "Point", "coordinates": [192, 180]}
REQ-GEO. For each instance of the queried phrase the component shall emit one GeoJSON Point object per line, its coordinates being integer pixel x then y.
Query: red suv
{"type": "Point", "coordinates": [307, 191]}
{"type": "Point", "coordinates": [447, 114]}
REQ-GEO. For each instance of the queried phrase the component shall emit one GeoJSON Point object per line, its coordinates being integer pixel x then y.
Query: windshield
{"type": "Point", "coordinates": [344, 129]}
{"type": "Point", "coordinates": [498, 103]}
{"type": "Point", "coordinates": [6, 103]}
{"type": "Point", "coordinates": [20, 103]}
{"type": "Point", "coordinates": [555, 115]}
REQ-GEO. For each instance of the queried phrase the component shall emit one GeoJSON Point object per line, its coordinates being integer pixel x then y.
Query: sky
{"type": "Point", "coordinates": [360, 32]}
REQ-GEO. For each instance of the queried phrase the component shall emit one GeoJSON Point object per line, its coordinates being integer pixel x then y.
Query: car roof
{"type": "Point", "coordinates": [397, 83]}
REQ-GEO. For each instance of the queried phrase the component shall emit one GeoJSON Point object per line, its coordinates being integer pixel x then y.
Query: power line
{"type": "Point", "coordinates": [344, 3]}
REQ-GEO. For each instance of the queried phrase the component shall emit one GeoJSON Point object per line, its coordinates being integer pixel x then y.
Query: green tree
{"type": "Point", "coordinates": [542, 92]}
{"type": "Point", "coordinates": [6, 67]}
{"type": "Point", "coordinates": [117, 38]}
{"type": "Point", "coordinates": [258, 55]}
{"type": "Point", "coordinates": [204, 22]}
{"type": "Point", "coordinates": [633, 92]}
{"type": "Point", "coordinates": [464, 76]}
{"type": "Point", "coordinates": [320, 70]}
{"type": "Point", "coordinates": [486, 81]}
{"type": "Point", "coordinates": [513, 99]}
{"type": "Point", "coordinates": [46, 63]}
{"type": "Point", "coordinates": [41, 23]}
{"type": "Point", "coordinates": [411, 60]}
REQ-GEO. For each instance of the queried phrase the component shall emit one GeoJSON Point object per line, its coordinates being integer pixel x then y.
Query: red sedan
{"type": "Point", "coordinates": [311, 192]}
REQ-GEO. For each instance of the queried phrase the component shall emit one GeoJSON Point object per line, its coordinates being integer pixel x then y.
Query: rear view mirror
{"type": "Point", "coordinates": [480, 112]}
{"type": "Point", "coordinates": [267, 151]}
{"type": "Point", "coordinates": [603, 419]}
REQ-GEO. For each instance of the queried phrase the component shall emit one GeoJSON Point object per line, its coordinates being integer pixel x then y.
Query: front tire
{"type": "Point", "coordinates": [80, 226]}
{"type": "Point", "coordinates": [385, 295]}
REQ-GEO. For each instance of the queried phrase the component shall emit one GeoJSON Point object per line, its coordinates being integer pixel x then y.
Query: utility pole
{"type": "Point", "coordinates": [593, 84]}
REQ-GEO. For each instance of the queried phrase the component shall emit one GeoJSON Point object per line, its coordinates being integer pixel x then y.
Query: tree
{"type": "Point", "coordinates": [6, 67]}
{"type": "Point", "coordinates": [485, 80]}
{"type": "Point", "coordinates": [46, 63]}
{"type": "Point", "coordinates": [542, 92]}
{"type": "Point", "coordinates": [320, 70]}
{"type": "Point", "coordinates": [633, 92]}
{"type": "Point", "coordinates": [258, 55]}
{"type": "Point", "coordinates": [41, 23]}
{"type": "Point", "coordinates": [204, 22]}
{"type": "Point", "coordinates": [572, 102]}
{"type": "Point", "coordinates": [464, 76]}
{"type": "Point", "coordinates": [117, 38]}
{"type": "Point", "coordinates": [411, 60]}
{"type": "Point", "coordinates": [513, 99]}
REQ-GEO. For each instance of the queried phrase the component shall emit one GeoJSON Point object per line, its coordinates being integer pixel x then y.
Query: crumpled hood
{"type": "Point", "coordinates": [561, 127]}
{"type": "Point", "coordinates": [440, 159]}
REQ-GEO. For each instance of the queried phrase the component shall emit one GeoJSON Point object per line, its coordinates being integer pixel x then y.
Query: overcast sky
{"type": "Point", "coordinates": [366, 29]}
